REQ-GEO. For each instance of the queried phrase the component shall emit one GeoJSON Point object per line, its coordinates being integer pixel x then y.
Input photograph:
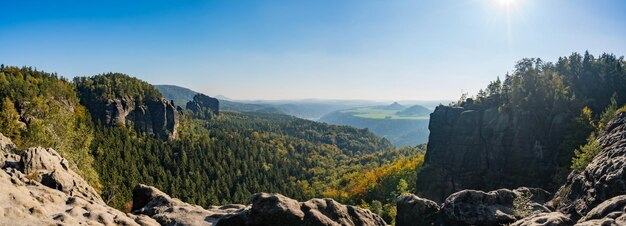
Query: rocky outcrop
{"type": "Point", "coordinates": [609, 212]}
{"type": "Point", "coordinates": [48, 167]}
{"type": "Point", "coordinates": [203, 104]}
{"type": "Point", "coordinates": [155, 117]}
{"type": "Point", "coordinates": [470, 207]}
{"type": "Point", "coordinates": [603, 179]}
{"type": "Point", "coordinates": [61, 198]}
{"type": "Point", "coordinates": [275, 209]}
{"type": "Point", "coordinates": [545, 219]}
{"type": "Point", "coordinates": [486, 149]}
{"type": "Point", "coordinates": [151, 202]}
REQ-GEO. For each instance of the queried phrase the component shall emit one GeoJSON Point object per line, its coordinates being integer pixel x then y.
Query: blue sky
{"type": "Point", "coordinates": [292, 49]}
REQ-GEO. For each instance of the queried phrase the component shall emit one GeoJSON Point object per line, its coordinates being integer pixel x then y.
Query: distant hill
{"type": "Point", "coordinates": [402, 126]}
{"type": "Point", "coordinates": [415, 110]}
{"type": "Point", "coordinates": [393, 106]}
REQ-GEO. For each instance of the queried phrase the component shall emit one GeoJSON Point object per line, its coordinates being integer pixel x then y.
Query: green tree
{"type": "Point", "coordinates": [9, 121]}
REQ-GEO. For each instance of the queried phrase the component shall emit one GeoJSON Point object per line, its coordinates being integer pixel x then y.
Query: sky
{"type": "Point", "coordinates": [295, 49]}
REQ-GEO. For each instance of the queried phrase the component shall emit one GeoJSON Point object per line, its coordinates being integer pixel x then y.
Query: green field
{"type": "Point", "coordinates": [377, 113]}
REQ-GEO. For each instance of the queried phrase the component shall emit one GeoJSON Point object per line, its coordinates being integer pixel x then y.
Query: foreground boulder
{"type": "Point", "coordinates": [471, 207]}
{"type": "Point", "coordinates": [413, 210]}
{"type": "Point", "coordinates": [66, 200]}
{"type": "Point", "coordinates": [48, 167]}
{"type": "Point", "coordinates": [151, 202]}
{"type": "Point", "coordinates": [275, 209]}
{"type": "Point", "coordinates": [603, 179]}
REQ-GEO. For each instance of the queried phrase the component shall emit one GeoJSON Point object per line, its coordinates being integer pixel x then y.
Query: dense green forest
{"type": "Point", "coordinates": [227, 159]}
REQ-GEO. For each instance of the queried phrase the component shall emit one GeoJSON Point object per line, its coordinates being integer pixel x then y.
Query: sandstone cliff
{"type": "Point", "coordinates": [486, 149]}
{"type": "Point", "coordinates": [154, 117]}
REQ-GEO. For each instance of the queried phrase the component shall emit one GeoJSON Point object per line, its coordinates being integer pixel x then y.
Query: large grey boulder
{"type": "Point", "coordinates": [488, 149]}
{"type": "Point", "coordinates": [27, 202]}
{"type": "Point", "coordinates": [53, 171]}
{"type": "Point", "coordinates": [471, 207]}
{"type": "Point", "coordinates": [603, 179]}
{"type": "Point", "coordinates": [62, 197]}
{"type": "Point", "coordinates": [275, 209]}
{"type": "Point", "coordinates": [166, 210]}
{"type": "Point", "coordinates": [416, 211]}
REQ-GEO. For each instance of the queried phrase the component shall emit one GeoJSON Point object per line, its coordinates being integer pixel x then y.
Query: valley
{"type": "Point", "coordinates": [401, 125]}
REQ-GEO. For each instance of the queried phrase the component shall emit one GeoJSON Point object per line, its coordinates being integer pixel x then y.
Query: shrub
{"type": "Point", "coordinates": [585, 154]}
{"type": "Point", "coordinates": [522, 205]}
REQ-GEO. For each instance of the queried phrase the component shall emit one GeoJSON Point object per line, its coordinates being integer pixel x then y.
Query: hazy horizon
{"type": "Point", "coordinates": [294, 50]}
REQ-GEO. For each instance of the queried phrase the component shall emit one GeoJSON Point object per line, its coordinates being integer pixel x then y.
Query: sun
{"type": "Point", "coordinates": [507, 3]}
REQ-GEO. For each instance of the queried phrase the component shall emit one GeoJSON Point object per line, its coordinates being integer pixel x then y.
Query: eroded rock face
{"type": "Point", "coordinates": [545, 219]}
{"type": "Point", "coordinates": [609, 212]}
{"type": "Point", "coordinates": [275, 209]}
{"type": "Point", "coordinates": [485, 149]}
{"type": "Point", "coordinates": [65, 200]}
{"type": "Point", "coordinates": [603, 179]}
{"type": "Point", "coordinates": [155, 117]}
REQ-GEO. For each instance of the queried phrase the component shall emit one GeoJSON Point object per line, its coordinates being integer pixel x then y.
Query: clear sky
{"type": "Point", "coordinates": [291, 49]}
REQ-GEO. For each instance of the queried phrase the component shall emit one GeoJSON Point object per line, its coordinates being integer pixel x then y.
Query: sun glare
{"type": "Point", "coordinates": [506, 3]}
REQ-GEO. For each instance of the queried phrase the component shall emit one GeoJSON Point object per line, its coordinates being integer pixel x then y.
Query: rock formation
{"type": "Point", "coordinates": [486, 149]}
{"type": "Point", "coordinates": [275, 209]}
{"type": "Point", "coordinates": [151, 202]}
{"type": "Point", "coordinates": [469, 207]}
{"type": "Point", "coordinates": [203, 104]}
{"type": "Point", "coordinates": [61, 198]}
{"type": "Point", "coordinates": [155, 117]}
{"type": "Point", "coordinates": [603, 179]}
